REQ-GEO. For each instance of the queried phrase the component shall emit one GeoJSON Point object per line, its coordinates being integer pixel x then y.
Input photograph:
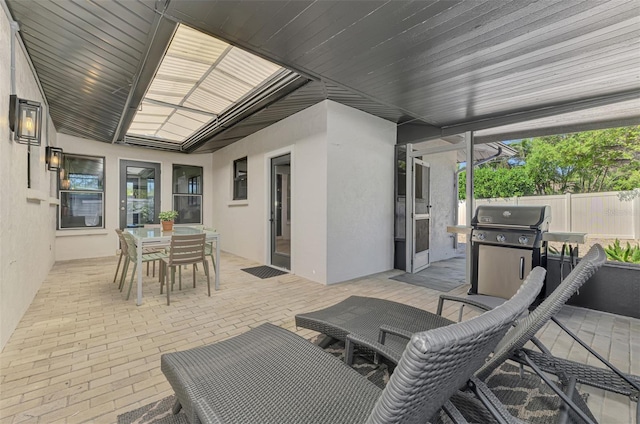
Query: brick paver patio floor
{"type": "Point", "coordinates": [82, 353]}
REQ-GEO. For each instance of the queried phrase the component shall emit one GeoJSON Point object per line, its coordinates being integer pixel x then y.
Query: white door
{"type": "Point", "coordinates": [418, 214]}
{"type": "Point", "coordinates": [280, 214]}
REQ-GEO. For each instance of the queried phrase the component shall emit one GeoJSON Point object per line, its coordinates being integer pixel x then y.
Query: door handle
{"type": "Point", "coordinates": [522, 267]}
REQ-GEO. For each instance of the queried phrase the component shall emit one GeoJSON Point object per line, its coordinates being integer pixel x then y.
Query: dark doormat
{"type": "Point", "coordinates": [263, 271]}
{"type": "Point", "coordinates": [443, 276]}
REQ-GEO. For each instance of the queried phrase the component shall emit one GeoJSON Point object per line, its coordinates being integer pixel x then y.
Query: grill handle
{"type": "Point", "coordinates": [522, 267]}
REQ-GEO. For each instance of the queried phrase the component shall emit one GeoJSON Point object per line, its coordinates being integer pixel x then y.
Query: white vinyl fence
{"type": "Point", "coordinates": [600, 215]}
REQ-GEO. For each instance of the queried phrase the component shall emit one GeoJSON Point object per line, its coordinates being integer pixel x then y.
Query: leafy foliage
{"type": "Point", "coordinates": [591, 161]}
{"type": "Point", "coordinates": [567, 250]}
{"type": "Point", "coordinates": [616, 252]}
{"type": "Point", "coordinates": [167, 215]}
{"type": "Point", "coordinates": [498, 182]}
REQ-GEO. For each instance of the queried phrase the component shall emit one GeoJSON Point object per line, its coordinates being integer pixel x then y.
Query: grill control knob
{"type": "Point", "coordinates": [501, 238]}
{"type": "Point", "coordinates": [523, 240]}
{"type": "Point", "coordinates": [480, 236]}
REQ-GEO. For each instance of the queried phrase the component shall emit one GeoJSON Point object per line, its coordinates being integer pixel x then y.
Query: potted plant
{"type": "Point", "coordinates": [167, 218]}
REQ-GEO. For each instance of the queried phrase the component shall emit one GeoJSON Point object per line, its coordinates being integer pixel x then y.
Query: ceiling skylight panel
{"type": "Point", "coordinates": [167, 135]}
{"type": "Point", "coordinates": [198, 73]}
{"type": "Point", "coordinates": [225, 85]}
{"type": "Point", "coordinates": [151, 109]}
{"type": "Point", "coordinates": [178, 88]}
{"type": "Point", "coordinates": [178, 130]}
{"type": "Point", "coordinates": [204, 100]}
{"type": "Point", "coordinates": [174, 100]}
{"type": "Point", "coordinates": [182, 70]}
{"type": "Point", "coordinates": [194, 45]}
{"type": "Point", "coordinates": [144, 128]}
{"type": "Point", "coordinates": [180, 119]}
{"type": "Point", "coordinates": [202, 119]}
{"type": "Point", "coordinates": [247, 67]}
{"type": "Point", "coordinates": [143, 118]}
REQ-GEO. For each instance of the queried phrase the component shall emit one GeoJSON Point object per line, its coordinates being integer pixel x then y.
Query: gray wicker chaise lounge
{"type": "Point", "coordinates": [270, 375]}
{"type": "Point", "coordinates": [569, 372]}
{"type": "Point", "coordinates": [365, 321]}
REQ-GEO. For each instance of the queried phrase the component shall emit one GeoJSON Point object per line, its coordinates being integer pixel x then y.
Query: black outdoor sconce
{"type": "Point", "coordinates": [53, 157]}
{"type": "Point", "coordinates": [25, 117]}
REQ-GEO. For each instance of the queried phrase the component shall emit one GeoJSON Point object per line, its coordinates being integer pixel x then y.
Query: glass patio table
{"type": "Point", "coordinates": [155, 237]}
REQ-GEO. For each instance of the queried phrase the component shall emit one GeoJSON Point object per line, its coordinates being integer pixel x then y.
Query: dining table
{"type": "Point", "coordinates": [157, 238]}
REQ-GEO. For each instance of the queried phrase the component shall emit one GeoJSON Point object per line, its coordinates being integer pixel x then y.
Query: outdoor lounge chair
{"type": "Point", "coordinates": [269, 374]}
{"type": "Point", "coordinates": [569, 372]}
{"type": "Point", "coordinates": [380, 326]}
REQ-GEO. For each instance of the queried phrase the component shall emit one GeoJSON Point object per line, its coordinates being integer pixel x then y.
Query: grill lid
{"type": "Point", "coordinates": [535, 217]}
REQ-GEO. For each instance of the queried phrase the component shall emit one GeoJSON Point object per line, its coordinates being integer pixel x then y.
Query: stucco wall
{"type": "Point", "coordinates": [82, 243]}
{"type": "Point", "coordinates": [26, 243]}
{"type": "Point", "coordinates": [342, 192]}
{"type": "Point", "coordinates": [244, 225]}
{"type": "Point", "coordinates": [360, 203]}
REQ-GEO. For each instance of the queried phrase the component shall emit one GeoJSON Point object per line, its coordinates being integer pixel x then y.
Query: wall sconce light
{"type": "Point", "coordinates": [25, 118]}
{"type": "Point", "coordinates": [65, 183]}
{"type": "Point", "coordinates": [53, 157]}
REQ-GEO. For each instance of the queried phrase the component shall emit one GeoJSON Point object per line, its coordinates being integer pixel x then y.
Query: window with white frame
{"type": "Point", "coordinates": [187, 194]}
{"type": "Point", "coordinates": [240, 179]}
{"type": "Point", "coordinates": [81, 188]}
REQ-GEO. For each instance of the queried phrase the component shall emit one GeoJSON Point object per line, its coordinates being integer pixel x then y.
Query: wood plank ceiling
{"type": "Point", "coordinates": [446, 66]}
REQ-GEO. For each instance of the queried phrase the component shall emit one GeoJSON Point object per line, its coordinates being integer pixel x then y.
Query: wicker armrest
{"type": "Point", "coordinates": [379, 348]}
{"type": "Point", "coordinates": [387, 329]}
{"type": "Point", "coordinates": [464, 300]}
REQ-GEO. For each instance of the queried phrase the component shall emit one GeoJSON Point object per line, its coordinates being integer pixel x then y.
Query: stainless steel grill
{"type": "Point", "coordinates": [507, 242]}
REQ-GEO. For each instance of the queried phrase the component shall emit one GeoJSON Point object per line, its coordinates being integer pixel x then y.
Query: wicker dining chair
{"type": "Point", "coordinates": [132, 256]}
{"type": "Point", "coordinates": [151, 249]}
{"type": "Point", "coordinates": [185, 250]}
{"type": "Point", "coordinates": [123, 252]}
{"type": "Point", "coordinates": [208, 247]}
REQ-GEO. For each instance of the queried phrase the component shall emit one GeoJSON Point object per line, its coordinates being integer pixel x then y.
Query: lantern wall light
{"type": "Point", "coordinates": [25, 117]}
{"type": "Point", "coordinates": [53, 157]}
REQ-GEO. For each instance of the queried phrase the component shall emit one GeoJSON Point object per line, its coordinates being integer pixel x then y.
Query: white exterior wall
{"type": "Point", "coordinates": [443, 201]}
{"type": "Point", "coordinates": [92, 243]}
{"type": "Point", "coordinates": [360, 203]}
{"type": "Point", "coordinates": [244, 225]}
{"type": "Point", "coordinates": [27, 217]}
{"type": "Point", "coordinates": [342, 192]}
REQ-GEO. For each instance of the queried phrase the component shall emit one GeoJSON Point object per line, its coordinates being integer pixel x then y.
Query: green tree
{"type": "Point", "coordinates": [498, 182]}
{"type": "Point", "coordinates": [591, 161]}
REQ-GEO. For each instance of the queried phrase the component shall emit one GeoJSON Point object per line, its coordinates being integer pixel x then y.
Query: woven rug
{"type": "Point", "coordinates": [263, 271]}
{"type": "Point", "coordinates": [527, 398]}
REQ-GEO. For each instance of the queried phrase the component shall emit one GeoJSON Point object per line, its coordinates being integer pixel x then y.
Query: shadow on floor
{"type": "Point", "coordinates": [443, 276]}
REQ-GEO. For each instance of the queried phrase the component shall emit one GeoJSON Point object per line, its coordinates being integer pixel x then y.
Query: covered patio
{"type": "Point", "coordinates": [82, 354]}
{"type": "Point", "coordinates": [243, 106]}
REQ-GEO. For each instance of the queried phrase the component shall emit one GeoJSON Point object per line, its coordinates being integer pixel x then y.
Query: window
{"type": "Point", "coordinates": [81, 187]}
{"type": "Point", "coordinates": [187, 194]}
{"type": "Point", "coordinates": [240, 179]}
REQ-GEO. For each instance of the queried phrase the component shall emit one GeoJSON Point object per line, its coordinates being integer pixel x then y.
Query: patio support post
{"type": "Point", "coordinates": [468, 139]}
